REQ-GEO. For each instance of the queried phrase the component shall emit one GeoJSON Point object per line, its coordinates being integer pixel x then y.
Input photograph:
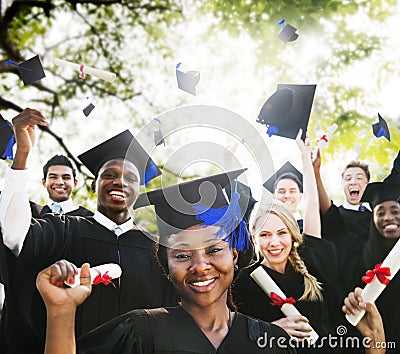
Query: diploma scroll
{"type": "Point", "coordinates": [262, 278]}
{"type": "Point", "coordinates": [325, 139]}
{"type": "Point", "coordinates": [372, 290]}
{"type": "Point", "coordinates": [100, 274]}
{"type": "Point", "coordinates": [100, 74]}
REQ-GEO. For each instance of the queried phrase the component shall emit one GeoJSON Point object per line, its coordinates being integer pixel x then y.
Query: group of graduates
{"type": "Point", "coordinates": [190, 290]}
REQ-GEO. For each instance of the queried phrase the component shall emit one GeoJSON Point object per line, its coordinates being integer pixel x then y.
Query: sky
{"type": "Point", "coordinates": [232, 79]}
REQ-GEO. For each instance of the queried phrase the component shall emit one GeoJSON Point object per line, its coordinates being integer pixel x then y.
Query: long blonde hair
{"type": "Point", "coordinates": [312, 288]}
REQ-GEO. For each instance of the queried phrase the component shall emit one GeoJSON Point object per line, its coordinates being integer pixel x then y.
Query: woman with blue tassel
{"type": "Point", "coordinates": [203, 246]}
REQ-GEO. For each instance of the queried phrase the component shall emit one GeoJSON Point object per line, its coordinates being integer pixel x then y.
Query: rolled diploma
{"type": "Point", "coordinates": [101, 74]}
{"type": "Point", "coordinates": [113, 270]}
{"type": "Point", "coordinates": [322, 143]}
{"type": "Point", "coordinates": [372, 290]}
{"type": "Point", "coordinates": [262, 278]}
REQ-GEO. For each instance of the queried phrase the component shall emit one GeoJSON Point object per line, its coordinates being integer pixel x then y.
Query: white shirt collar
{"type": "Point", "coordinates": [297, 215]}
{"type": "Point", "coordinates": [109, 224]}
{"type": "Point", "coordinates": [349, 206]}
{"type": "Point", "coordinates": [66, 205]}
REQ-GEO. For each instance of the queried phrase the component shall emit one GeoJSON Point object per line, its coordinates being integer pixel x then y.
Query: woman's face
{"type": "Point", "coordinates": [387, 219]}
{"type": "Point", "coordinates": [200, 266]}
{"type": "Point", "coordinates": [288, 192]}
{"type": "Point", "coordinates": [275, 243]}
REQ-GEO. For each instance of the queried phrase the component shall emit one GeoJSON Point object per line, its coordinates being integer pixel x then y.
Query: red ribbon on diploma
{"type": "Point", "coordinates": [278, 301]}
{"type": "Point", "coordinates": [82, 76]}
{"type": "Point", "coordinates": [381, 274]}
{"type": "Point", "coordinates": [324, 137]}
{"type": "Point", "coordinates": [105, 279]}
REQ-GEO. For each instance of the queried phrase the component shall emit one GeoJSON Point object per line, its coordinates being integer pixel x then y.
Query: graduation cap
{"type": "Point", "coordinates": [199, 202]}
{"type": "Point", "coordinates": [288, 33]}
{"type": "Point", "coordinates": [378, 192]}
{"type": "Point", "coordinates": [30, 70]}
{"type": "Point", "coordinates": [246, 201]}
{"type": "Point", "coordinates": [287, 171]}
{"type": "Point", "coordinates": [123, 145]}
{"type": "Point", "coordinates": [288, 110]}
{"type": "Point", "coordinates": [187, 80]}
{"type": "Point", "coordinates": [88, 109]}
{"type": "Point", "coordinates": [7, 139]}
{"type": "Point", "coordinates": [381, 128]}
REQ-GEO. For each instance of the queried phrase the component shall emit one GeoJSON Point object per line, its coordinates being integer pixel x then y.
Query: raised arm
{"type": "Point", "coordinates": [15, 212]}
{"type": "Point", "coordinates": [61, 303]}
{"type": "Point", "coordinates": [324, 200]}
{"type": "Point", "coordinates": [311, 220]}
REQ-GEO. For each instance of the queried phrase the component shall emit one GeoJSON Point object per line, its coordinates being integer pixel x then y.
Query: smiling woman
{"type": "Point", "coordinates": [384, 233]}
{"type": "Point", "coordinates": [201, 259]}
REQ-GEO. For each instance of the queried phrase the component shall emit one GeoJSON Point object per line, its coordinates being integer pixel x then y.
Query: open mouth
{"type": "Point", "coordinates": [117, 195]}
{"type": "Point", "coordinates": [354, 192]}
{"type": "Point", "coordinates": [391, 227]}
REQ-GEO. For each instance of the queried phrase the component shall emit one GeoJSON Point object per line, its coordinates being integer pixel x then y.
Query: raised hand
{"type": "Point", "coordinates": [24, 130]}
{"type": "Point", "coordinates": [56, 295]}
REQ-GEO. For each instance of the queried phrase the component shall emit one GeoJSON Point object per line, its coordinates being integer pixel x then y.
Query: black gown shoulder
{"type": "Point", "coordinates": [172, 330]}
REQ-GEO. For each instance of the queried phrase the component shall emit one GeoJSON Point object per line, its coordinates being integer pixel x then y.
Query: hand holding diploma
{"type": "Point", "coordinates": [262, 278]}
{"type": "Point", "coordinates": [100, 274]}
{"type": "Point", "coordinates": [377, 279]}
{"type": "Point", "coordinates": [83, 69]}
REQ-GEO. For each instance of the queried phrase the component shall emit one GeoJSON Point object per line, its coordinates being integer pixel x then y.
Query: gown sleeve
{"type": "Point", "coordinates": [129, 333]}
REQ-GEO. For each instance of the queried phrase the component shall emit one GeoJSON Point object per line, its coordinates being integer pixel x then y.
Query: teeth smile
{"type": "Point", "coordinates": [390, 227]}
{"type": "Point", "coordinates": [275, 251]}
{"type": "Point", "coordinates": [117, 194]}
{"type": "Point", "coordinates": [203, 283]}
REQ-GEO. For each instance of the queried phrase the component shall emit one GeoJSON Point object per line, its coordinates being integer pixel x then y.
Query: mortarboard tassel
{"type": "Point", "coordinates": [229, 218]}
{"type": "Point", "coordinates": [150, 173]}
{"type": "Point", "coordinates": [381, 132]}
{"type": "Point", "coordinates": [272, 130]}
{"type": "Point", "coordinates": [8, 151]}
{"type": "Point", "coordinates": [10, 62]}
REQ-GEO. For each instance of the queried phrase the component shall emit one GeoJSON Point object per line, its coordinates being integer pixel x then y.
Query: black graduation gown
{"type": "Point", "coordinates": [172, 330]}
{"type": "Point", "coordinates": [372, 253]}
{"type": "Point", "coordinates": [320, 259]}
{"type": "Point", "coordinates": [341, 221]}
{"type": "Point", "coordinates": [79, 240]}
{"type": "Point", "coordinates": [39, 210]}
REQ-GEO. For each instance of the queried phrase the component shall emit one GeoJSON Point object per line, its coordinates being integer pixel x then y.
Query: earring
{"type": "Point", "coordinates": [235, 268]}
{"type": "Point", "coordinates": [295, 244]}
{"type": "Point", "coordinates": [169, 277]}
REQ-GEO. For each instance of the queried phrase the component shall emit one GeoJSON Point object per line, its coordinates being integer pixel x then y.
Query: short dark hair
{"type": "Point", "coordinates": [359, 164]}
{"type": "Point", "coordinates": [291, 176]}
{"type": "Point", "coordinates": [58, 160]}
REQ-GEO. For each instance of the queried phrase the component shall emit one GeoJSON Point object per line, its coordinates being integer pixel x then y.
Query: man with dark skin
{"type": "Point", "coordinates": [110, 236]}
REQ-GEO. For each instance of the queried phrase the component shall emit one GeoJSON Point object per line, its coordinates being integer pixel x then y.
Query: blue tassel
{"type": "Point", "coordinates": [381, 132]}
{"type": "Point", "coordinates": [150, 173]}
{"type": "Point", "coordinates": [272, 130]}
{"type": "Point", "coordinates": [10, 62]}
{"type": "Point", "coordinates": [229, 219]}
{"type": "Point", "coordinates": [8, 151]}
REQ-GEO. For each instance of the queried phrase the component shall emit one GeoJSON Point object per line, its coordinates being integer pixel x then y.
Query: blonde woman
{"type": "Point", "coordinates": [302, 265]}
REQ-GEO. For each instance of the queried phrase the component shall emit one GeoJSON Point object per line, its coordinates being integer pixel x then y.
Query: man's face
{"type": "Point", "coordinates": [354, 182]}
{"type": "Point", "coordinates": [117, 186]}
{"type": "Point", "coordinates": [59, 183]}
